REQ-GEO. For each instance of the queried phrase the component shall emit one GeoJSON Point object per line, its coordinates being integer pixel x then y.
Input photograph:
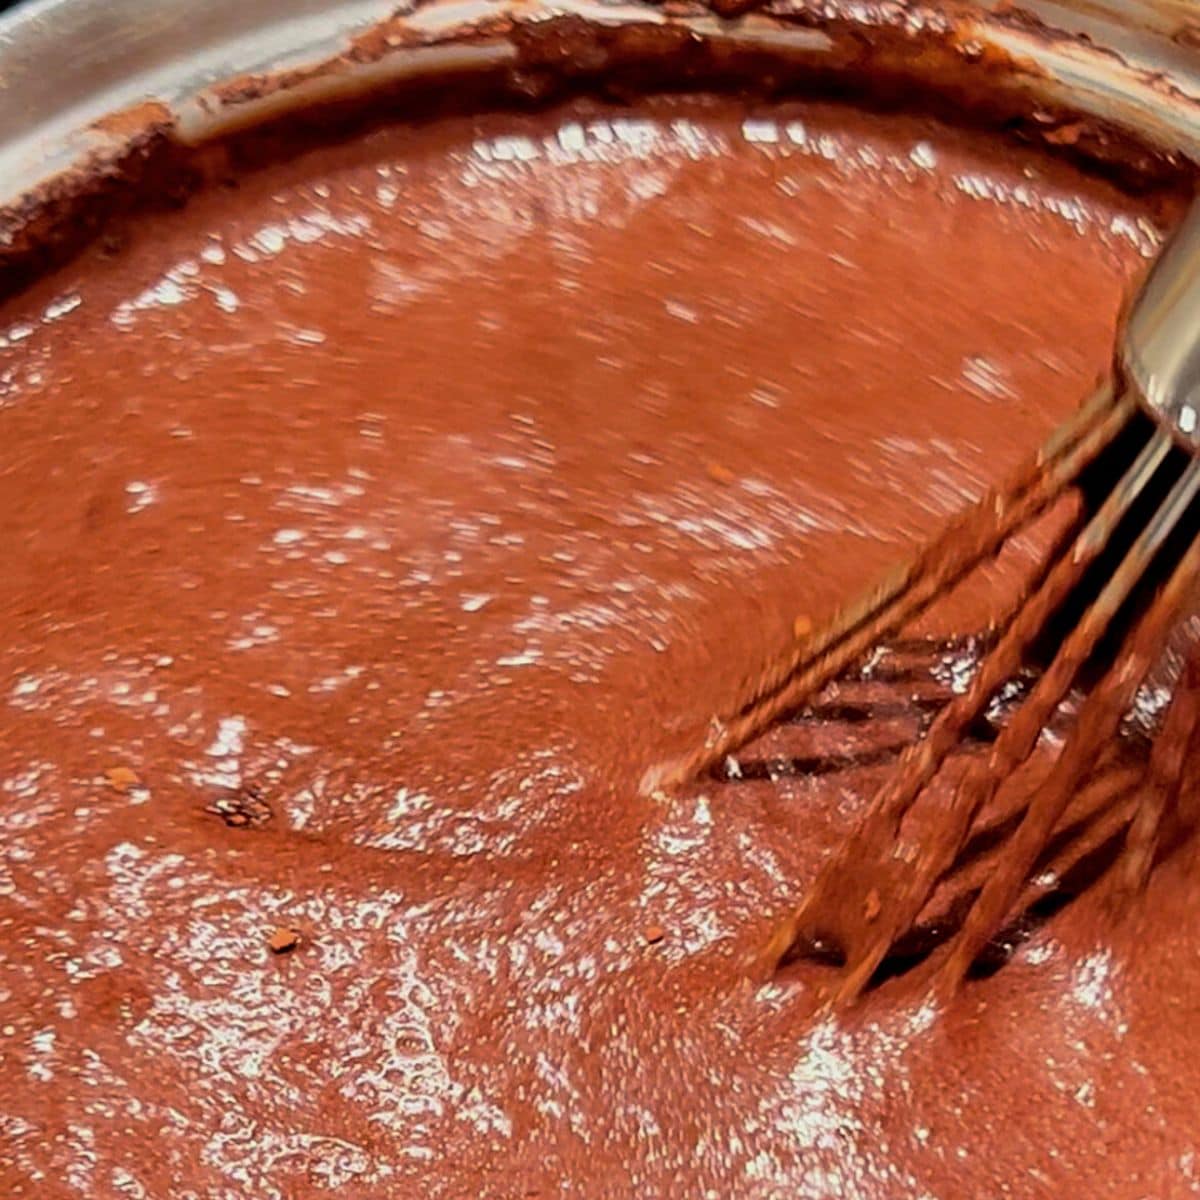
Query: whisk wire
{"type": "Point", "coordinates": [907, 591]}
{"type": "Point", "coordinates": [1099, 717]}
{"type": "Point", "coordinates": [871, 893]}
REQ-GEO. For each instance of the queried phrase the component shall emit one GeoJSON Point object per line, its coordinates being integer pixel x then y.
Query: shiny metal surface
{"type": "Point", "coordinates": [1160, 350]}
{"type": "Point", "coordinates": [65, 63]}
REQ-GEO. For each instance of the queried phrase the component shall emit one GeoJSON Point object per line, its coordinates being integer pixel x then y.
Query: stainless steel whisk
{"type": "Point", "coordinates": [875, 887]}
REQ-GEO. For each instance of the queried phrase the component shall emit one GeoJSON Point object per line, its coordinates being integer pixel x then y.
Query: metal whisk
{"type": "Point", "coordinates": [1118, 583]}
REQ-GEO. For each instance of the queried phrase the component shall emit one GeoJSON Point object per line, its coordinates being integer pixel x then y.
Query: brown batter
{"type": "Point", "coordinates": [371, 527]}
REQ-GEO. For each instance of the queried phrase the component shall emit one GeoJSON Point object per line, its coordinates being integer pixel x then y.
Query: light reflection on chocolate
{"type": "Point", "coordinates": [385, 516]}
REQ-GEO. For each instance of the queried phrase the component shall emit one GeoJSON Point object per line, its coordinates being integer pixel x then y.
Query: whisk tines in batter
{"type": "Point", "coordinates": [1102, 605]}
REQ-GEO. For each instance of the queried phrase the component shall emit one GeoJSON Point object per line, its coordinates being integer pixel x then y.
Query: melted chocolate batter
{"type": "Point", "coordinates": [371, 527]}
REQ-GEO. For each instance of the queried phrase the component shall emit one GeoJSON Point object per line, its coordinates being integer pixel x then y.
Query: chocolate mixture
{"type": "Point", "coordinates": [372, 525]}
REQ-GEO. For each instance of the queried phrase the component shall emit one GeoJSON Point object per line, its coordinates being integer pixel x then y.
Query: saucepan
{"type": "Point", "coordinates": [66, 65]}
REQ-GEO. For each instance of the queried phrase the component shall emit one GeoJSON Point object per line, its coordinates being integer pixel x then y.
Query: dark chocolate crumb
{"type": "Point", "coordinates": [284, 940]}
{"type": "Point", "coordinates": [242, 808]}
